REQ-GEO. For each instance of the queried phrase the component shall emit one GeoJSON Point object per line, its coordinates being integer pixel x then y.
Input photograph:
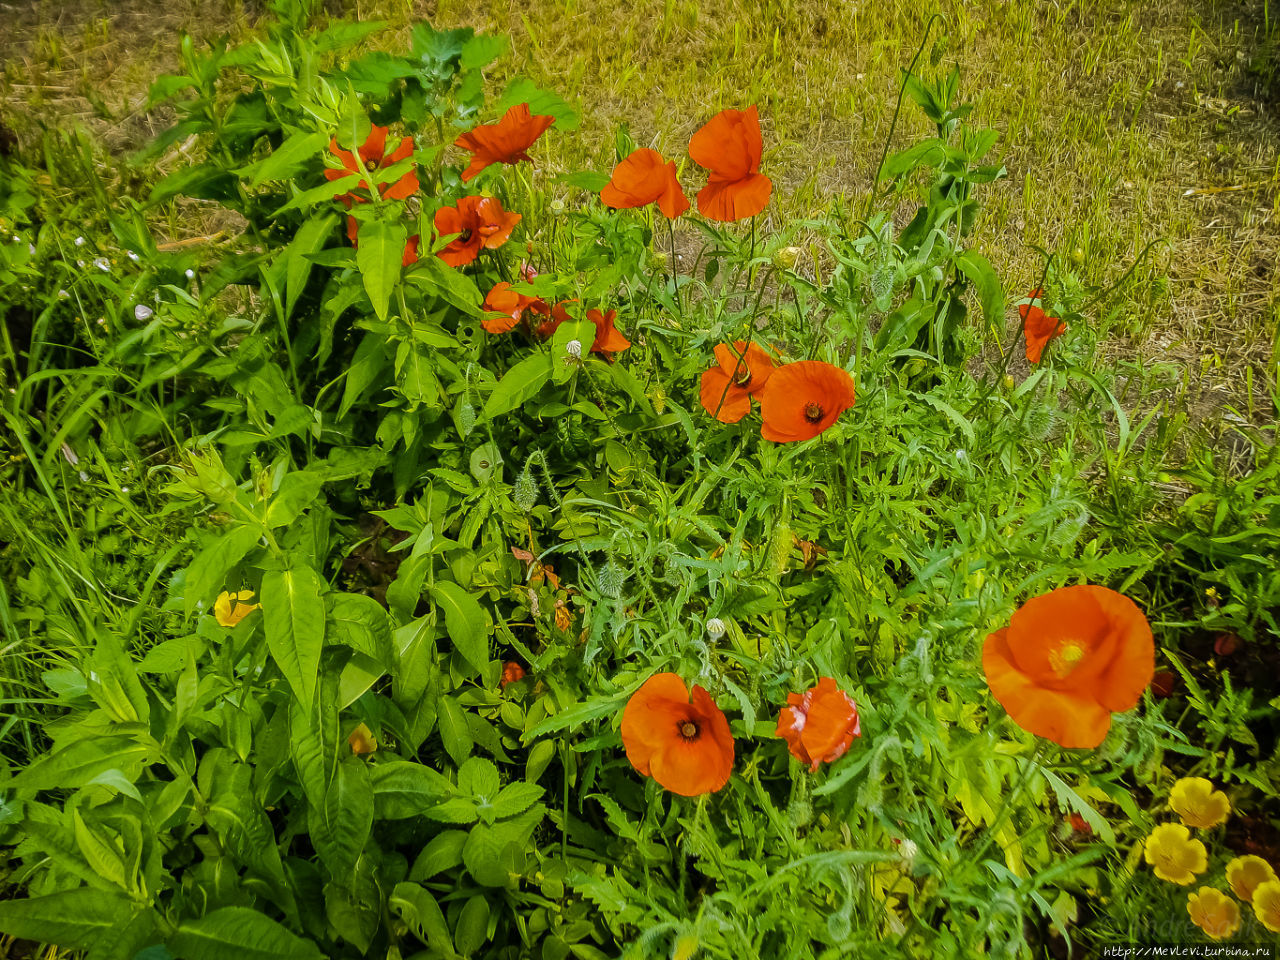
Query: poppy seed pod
{"type": "Point", "coordinates": [786, 258]}
{"type": "Point", "coordinates": [715, 629]}
{"type": "Point", "coordinates": [574, 348]}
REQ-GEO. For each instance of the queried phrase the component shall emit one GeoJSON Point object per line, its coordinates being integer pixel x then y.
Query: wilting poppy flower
{"type": "Point", "coordinates": [820, 724]}
{"type": "Point", "coordinates": [504, 307]}
{"type": "Point", "coordinates": [1246, 874]}
{"type": "Point", "coordinates": [362, 740]}
{"type": "Point", "coordinates": [373, 154]}
{"type": "Point", "coordinates": [1162, 684]}
{"type": "Point", "coordinates": [802, 399]}
{"type": "Point", "coordinates": [1214, 912]}
{"type": "Point", "coordinates": [686, 747]}
{"type": "Point", "coordinates": [1038, 327]}
{"type": "Point", "coordinates": [506, 141]}
{"type": "Point", "coordinates": [478, 222]}
{"type": "Point", "coordinates": [230, 608]}
{"type": "Point", "coordinates": [739, 375]}
{"type": "Point", "coordinates": [1068, 660]}
{"type": "Point", "coordinates": [730, 145]}
{"type": "Point", "coordinates": [555, 316]}
{"type": "Point", "coordinates": [1174, 855]}
{"type": "Point", "coordinates": [511, 673]}
{"type": "Point", "coordinates": [644, 178]}
{"type": "Point", "coordinates": [1266, 905]}
{"type": "Point", "coordinates": [1198, 804]}
{"type": "Point", "coordinates": [410, 255]}
{"type": "Point", "coordinates": [609, 339]}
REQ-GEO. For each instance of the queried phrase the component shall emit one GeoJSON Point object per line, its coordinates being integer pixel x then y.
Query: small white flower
{"type": "Point", "coordinates": [715, 628]}
{"type": "Point", "coordinates": [133, 256]}
{"type": "Point", "coordinates": [961, 456]}
{"type": "Point", "coordinates": [84, 477]}
{"type": "Point", "coordinates": [80, 264]}
{"type": "Point", "coordinates": [191, 274]}
{"type": "Point", "coordinates": [31, 249]}
{"type": "Point", "coordinates": [573, 348]}
{"type": "Point", "coordinates": [102, 322]}
{"type": "Point", "coordinates": [79, 241]}
{"type": "Point", "coordinates": [103, 264]}
{"type": "Point", "coordinates": [63, 295]}
{"type": "Point", "coordinates": [124, 489]}
{"type": "Point", "coordinates": [143, 312]}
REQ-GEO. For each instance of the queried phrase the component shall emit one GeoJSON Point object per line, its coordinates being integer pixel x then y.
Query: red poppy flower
{"type": "Point", "coordinates": [644, 178]}
{"type": "Point", "coordinates": [740, 374]}
{"type": "Point", "coordinates": [1068, 660]}
{"type": "Point", "coordinates": [609, 339]}
{"type": "Point", "coordinates": [373, 154]}
{"type": "Point", "coordinates": [506, 141]}
{"type": "Point", "coordinates": [1038, 327]}
{"type": "Point", "coordinates": [478, 222]}
{"type": "Point", "coordinates": [504, 308]}
{"type": "Point", "coordinates": [802, 399]}
{"type": "Point", "coordinates": [511, 673]}
{"type": "Point", "coordinates": [686, 747]}
{"type": "Point", "coordinates": [730, 145]}
{"type": "Point", "coordinates": [410, 248]}
{"type": "Point", "coordinates": [820, 724]}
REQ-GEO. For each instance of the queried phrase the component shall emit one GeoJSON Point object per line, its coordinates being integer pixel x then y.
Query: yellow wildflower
{"type": "Point", "coordinates": [230, 608]}
{"type": "Point", "coordinates": [1175, 856]}
{"type": "Point", "coordinates": [362, 740]}
{"type": "Point", "coordinates": [1197, 803]}
{"type": "Point", "coordinates": [1214, 912]}
{"type": "Point", "coordinates": [1245, 874]}
{"type": "Point", "coordinates": [1266, 904]}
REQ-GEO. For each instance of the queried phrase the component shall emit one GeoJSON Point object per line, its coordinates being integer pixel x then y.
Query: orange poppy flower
{"type": "Point", "coordinates": [410, 248]}
{"type": "Point", "coordinates": [478, 222]}
{"type": "Point", "coordinates": [686, 747]}
{"type": "Point", "coordinates": [730, 145]}
{"type": "Point", "coordinates": [555, 316]}
{"type": "Point", "coordinates": [511, 673]}
{"type": "Point", "coordinates": [1038, 327]}
{"type": "Point", "coordinates": [506, 141]}
{"type": "Point", "coordinates": [1068, 660]}
{"type": "Point", "coordinates": [644, 178]}
{"type": "Point", "coordinates": [505, 307]}
{"type": "Point", "coordinates": [373, 154]}
{"type": "Point", "coordinates": [609, 339]}
{"type": "Point", "coordinates": [820, 724]}
{"type": "Point", "coordinates": [802, 399]}
{"type": "Point", "coordinates": [740, 374]}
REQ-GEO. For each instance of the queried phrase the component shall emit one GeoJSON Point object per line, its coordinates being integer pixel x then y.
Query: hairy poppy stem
{"type": "Point", "coordinates": [675, 286]}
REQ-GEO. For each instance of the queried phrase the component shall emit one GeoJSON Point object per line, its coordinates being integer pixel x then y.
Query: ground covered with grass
{"type": "Point", "coordinates": [677, 480]}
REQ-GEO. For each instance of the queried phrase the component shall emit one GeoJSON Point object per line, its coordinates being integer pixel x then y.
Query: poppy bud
{"type": "Point", "coordinates": [1077, 255]}
{"type": "Point", "coordinates": [658, 259]}
{"type": "Point", "coordinates": [511, 673]}
{"type": "Point", "coordinates": [1008, 382]}
{"type": "Point", "coordinates": [557, 206]}
{"type": "Point", "coordinates": [715, 629]}
{"type": "Point", "coordinates": [785, 258]}
{"type": "Point", "coordinates": [1162, 683]}
{"type": "Point", "coordinates": [525, 493]}
{"type": "Point", "coordinates": [1226, 644]}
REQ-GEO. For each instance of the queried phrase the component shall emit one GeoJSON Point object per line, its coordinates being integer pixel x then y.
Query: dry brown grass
{"type": "Point", "coordinates": [1122, 123]}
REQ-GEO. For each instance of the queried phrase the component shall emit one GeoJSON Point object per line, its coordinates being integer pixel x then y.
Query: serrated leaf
{"type": "Point", "coordinates": [293, 616]}
{"type": "Point", "coordinates": [478, 777]}
{"type": "Point", "coordinates": [516, 798]}
{"type": "Point", "coordinates": [544, 102]}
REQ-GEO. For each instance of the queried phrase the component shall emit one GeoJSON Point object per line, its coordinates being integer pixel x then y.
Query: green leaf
{"type": "Point", "coordinates": [522, 382]}
{"type": "Point", "coordinates": [404, 789]}
{"type": "Point", "coordinates": [544, 102]}
{"type": "Point", "coordinates": [287, 159]}
{"type": "Point", "coordinates": [574, 715]}
{"type": "Point", "coordinates": [418, 908]}
{"type": "Point", "coordinates": [986, 281]}
{"type": "Point", "coordinates": [72, 918]}
{"type": "Point", "coordinates": [369, 361]}
{"type": "Point", "coordinates": [78, 763]}
{"type": "Point", "coordinates": [454, 732]}
{"type": "Point", "coordinates": [473, 925]}
{"type": "Point", "coordinates": [516, 798]}
{"type": "Point", "coordinates": [378, 257]}
{"type": "Point", "coordinates": [482, 50]}
{"type": "Point", "coordinates": [465, 620]}
{"type": "Point", "coordinates": [340, 825]}
{"type": "Point", "coordinates": [239, 933]}
{"type": "Point", "coordinates": [444, 852]}
{"type": "Point", "coordinates": [293, 615]}
{"type": "Point", "coordinates": [207, 572]}
{"type": "Point", "coordinates": [453, 286]}
{"type": "Point", "coordinates": [584, 331]}
{"type": "Point", "coordinates": [298, 490]}
{"type": "Point", "coordinates": [361, 623]}
{"type": "Point", "coordinates": [478, 777]}
{"type": "Point", "coordinates": [309, 239]}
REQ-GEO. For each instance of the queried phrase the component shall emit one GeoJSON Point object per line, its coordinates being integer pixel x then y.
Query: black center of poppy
{"type": "Point", "coordinates": [689, 730]}
{"type": "Point", "coordinates": [812, 412]}
{"type": "Point", "coordinates": [465, 236]}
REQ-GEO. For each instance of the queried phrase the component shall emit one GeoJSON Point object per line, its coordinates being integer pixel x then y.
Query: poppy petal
{"type": "Point", "coordinates": [721, 398]}
{"type": "Point", "coordinates": [729, 144]}
{"type": "Point", "coordinates": [727, 201]}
